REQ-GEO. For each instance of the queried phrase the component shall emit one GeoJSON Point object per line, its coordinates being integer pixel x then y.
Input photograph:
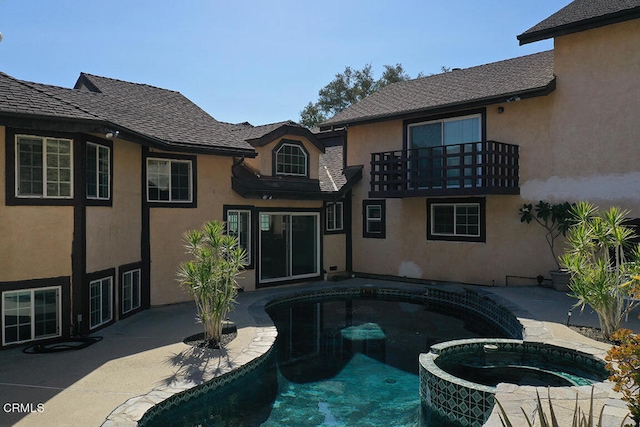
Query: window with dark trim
{"type": "Point", "coordinates": [169, 180]}
{"type": "Point", "coordinates": [131, 290]}
{"type": "Point", "coordinates": [100, 301]}
{"type": "Point", "coordinates": [98, 171]}
{"type": "Point", "coordinates": [239, 225]}
{"type": "Point", "coordinates": [460, 219]}
{"type": "Point", "coordinates": [30, 314]}
{"type": "Point", "coordinates": [374, 219]}
{"type": "Point", "coordinates": [291, 158]}
{"type": "Point", "coordinates": [44, 167]}
{"type": "Point", "coordinates": [334, 217]}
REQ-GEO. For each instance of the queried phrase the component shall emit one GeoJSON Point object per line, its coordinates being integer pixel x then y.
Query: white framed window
{"type": "Point", "coordinates": [169, 180]}
{"type": "Point", "coordinates": [31, 314]}
{"type": "Point", "coordinates": [291, 159]}
{"type": "Point", "coordinates": [239, 225]}
{"type": "Point", "coordinates": [44, 167]}
{"type": "Point", "coordinates": [130, 290]}
{"type": "Point", "coordinates": [98, 172]}
{"type": "Point", "coordinates": [334, 216]}
{"type": "Point", "coordinates": [452, 219]}
{"type": "Point", "coordinates": [100, 302]}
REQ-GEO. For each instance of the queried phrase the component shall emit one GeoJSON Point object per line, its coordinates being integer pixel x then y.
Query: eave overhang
{"type": "Point", "coordinates": [575, 27]}
{"type": "Point", "coordinates": [89, 126]}
{"type": "Point", "coordinates": [446, 108]}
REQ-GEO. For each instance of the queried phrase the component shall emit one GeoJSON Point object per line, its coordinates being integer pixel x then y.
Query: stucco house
{"type": "Point", "coordinates": [421, 180]}
{"type": "Point", "coordinates": [449, 159]}
{"type": "Point", "coordinates": [99, 183]}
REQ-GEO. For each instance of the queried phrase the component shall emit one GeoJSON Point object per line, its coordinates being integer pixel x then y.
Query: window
{"type": "Point", "coordinates": [291, 159]}
{"type": "Point", "coordinates": [436, 145]}
{"type": "Point", "coordinates": [30, 314]}
{"type": "Point", "coordinates": [169, 180]}
{"type": "Point", "coordinates": [100, 302]}
{"type": "Point", "coordinates": [44, 167]}
{"type": "Point", "coordinates": [374, 219]}
{"type": "Point", "coordinates": [334, 216]}
{"type": "Point", "coordinates": [98, 172]}
{"type": "Point", "coordinates": [130, 290]}
{"type": "Point", "coordinates": [455, 130]}
{"type": "Point", "coordinates": [239, 225]}
{"type": "Point", "coordinates": [456, 219]}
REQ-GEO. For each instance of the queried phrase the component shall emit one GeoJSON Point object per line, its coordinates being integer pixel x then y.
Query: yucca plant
{"type": "Point", "coordinates": [211, 275]}
{"type": "Point", "coordinates": [602, 264]}
{"type": "Point", "coordinates": [580, 418]}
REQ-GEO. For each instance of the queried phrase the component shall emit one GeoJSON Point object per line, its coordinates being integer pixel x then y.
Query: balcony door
{"type": "Point", "coordinates": [437, 150]}
{"type": "Point", "coordinates": [289, 246]}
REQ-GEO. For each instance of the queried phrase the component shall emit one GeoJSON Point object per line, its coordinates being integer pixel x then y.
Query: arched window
{"type": "Point", "coordinates": [291, 159]}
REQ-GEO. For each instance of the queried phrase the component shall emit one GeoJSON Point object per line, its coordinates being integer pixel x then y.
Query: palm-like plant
{"type": "Point", "coordinates": [601, 268]}
{"type": "Point", "coordinates": [211, 275]}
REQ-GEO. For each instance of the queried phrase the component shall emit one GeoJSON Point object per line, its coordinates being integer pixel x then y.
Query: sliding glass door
{"type": "Point", "coordinates": [289, 246]}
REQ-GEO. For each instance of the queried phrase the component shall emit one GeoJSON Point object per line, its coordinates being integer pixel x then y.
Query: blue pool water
{"type": "Point", "coordinates": [348, 362]}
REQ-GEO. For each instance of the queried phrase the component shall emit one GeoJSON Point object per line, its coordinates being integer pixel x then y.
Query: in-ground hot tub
{"type": "Point", "coordinates": [458, 378]}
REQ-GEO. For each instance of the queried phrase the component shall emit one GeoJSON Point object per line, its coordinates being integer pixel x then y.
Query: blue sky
{"type": "Point", "coordinates": [256, 61]}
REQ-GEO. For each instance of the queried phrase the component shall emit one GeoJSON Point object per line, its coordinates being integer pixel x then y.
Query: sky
{"type": "Point", "coordinates": [256, 61]}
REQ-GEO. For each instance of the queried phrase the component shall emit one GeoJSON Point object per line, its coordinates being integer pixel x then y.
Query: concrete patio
{"type": "Point", "coordinates": [144, 354]}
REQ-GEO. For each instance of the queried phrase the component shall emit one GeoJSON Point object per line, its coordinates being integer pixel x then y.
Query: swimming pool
{"type": "Point", "coordinates": [340, 360]}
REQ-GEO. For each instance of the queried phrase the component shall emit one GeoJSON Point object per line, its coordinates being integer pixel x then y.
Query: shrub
{"type": "Point", "coordinates": [602, 264]}
{"type": "Point", "coordinates": [624, 364]}
{"type": "Point", "coordinates": [210, 276]}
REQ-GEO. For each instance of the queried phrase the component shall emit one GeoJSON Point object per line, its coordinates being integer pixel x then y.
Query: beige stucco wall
{"type": "Point", "coordinates": [264, 161]}
{"type": "Point", "coordinates": [580, 142]}
{"type": "Point", "coordinates": [168, 225]}
{"type": "Point", "coordinates": [114, 233]}
{"type": "Point", "coordinates": [335, 249]}
{"type": "Point", "coordinates": [35, 240]}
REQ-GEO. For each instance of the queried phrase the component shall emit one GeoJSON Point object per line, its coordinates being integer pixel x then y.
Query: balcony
{"type": "Point", "coordinates": [476, 168]}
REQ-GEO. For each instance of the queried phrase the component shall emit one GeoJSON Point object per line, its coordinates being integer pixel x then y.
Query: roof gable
{"type": "Point", "coordinates": [581, 15]}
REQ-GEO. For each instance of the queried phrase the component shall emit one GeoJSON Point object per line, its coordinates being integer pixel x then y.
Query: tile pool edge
{"type": "Point", "coordinates": [471, 404]}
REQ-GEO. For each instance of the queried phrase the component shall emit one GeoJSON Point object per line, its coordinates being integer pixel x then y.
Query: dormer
{"type": "Point", "coordinates": [288, 152]}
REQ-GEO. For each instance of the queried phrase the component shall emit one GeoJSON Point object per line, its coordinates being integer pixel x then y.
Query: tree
{"type": "Point", "coordinates": [346, 89]}
{"type": "Point", "coordinates": [210, 276]}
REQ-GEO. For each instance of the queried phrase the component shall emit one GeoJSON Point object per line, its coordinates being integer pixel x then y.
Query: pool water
{"type": "Point", "coordinates": [346, 362]}
{"type": "Point", "coordinates": [521, 368]}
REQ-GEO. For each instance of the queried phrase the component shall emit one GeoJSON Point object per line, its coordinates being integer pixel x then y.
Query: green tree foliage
{"type": "Point", "coordinates": [603, 264]}
{"type": "Point", "coordinates": [347, 88]}
{"type": "Point", "coordinates": [624, 364]}
{"type": "Point", "coordinates": [210, 276]}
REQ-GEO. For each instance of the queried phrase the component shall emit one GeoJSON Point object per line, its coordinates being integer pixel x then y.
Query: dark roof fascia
{"type": "Point", "coordinates": [249, 191]}
{"type": "Point", "coordinates": [482, 102]}
{"type": "Point", "coordinates": [51, 123]}
{"type": "Point", "coordinates": [286, 130]}
{"type": "Point", "coordinates": [575, 27]}
{"type": "Point", "coordinates": [71, 125]}
{"type": "Point", "coordinates": [182, 147]}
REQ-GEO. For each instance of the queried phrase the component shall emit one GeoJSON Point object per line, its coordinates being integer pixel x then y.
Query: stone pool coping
{"type": "Point", "coordinates": [256, 329]}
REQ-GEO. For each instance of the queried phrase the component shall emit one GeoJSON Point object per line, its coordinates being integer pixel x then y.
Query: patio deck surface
{"type": "Point", "coordinates": [106, 383]}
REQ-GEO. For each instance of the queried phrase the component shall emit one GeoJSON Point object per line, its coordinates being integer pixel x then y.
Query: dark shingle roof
{"type": "Point", "coordinates": [162, 114]}
{"type": "Point", "coordinates": [582, 15]}
{"type": "Point", "coordinates": [24, 98]}
{"type": "Point", "coordinates": [530, 75]}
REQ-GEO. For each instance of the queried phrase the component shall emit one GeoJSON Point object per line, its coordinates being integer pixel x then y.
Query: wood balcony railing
{"type": "Point", "coordinates": [486, 167]}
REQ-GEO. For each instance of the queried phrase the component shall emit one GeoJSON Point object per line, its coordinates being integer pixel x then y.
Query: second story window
{"type": "Point", "coordinates": [44, 167]}
{"type": "Point", "coordinates": [169, 180]}
{"type": "Point", "coordinates": [291, 159]}
{"type": "Point", "coordinates": [98, 171]}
